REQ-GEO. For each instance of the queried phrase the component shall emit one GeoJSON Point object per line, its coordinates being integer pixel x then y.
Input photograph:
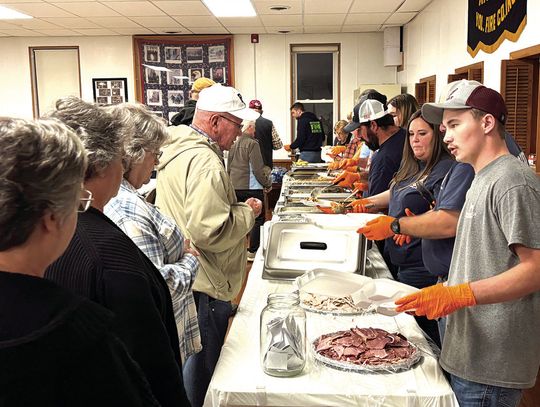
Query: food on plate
{"type": "Point", "coordinates": [365, 346]}
{"type": "Point", "coordinates": [324, 303]}
{"type": "Point", "coordinates": [301, 163]}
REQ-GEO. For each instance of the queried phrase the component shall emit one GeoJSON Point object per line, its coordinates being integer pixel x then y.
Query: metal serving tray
{"type": "Point", "coordinates": [293, 248]}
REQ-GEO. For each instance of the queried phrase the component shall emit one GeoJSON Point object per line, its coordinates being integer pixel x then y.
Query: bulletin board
{"type": "Point", "coordinates": [166, 67]}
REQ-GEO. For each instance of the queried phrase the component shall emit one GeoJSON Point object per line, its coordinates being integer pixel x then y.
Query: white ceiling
{"type": "Point", "coordinates": [131, 17]}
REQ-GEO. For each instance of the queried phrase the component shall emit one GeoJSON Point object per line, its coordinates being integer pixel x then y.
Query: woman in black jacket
{"type": "Point", "coordinates": [103, 264]}
{"type": "Point", "coordinates": [56, 348]}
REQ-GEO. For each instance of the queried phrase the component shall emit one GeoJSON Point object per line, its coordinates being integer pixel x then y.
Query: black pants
{"type": "Point", "coordinates": [255, 234]}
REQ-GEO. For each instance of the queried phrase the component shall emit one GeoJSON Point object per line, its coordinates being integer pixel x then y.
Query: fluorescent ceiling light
{"type": "Point", "coordinates": [9, 14]}
{"type": "Point", "coordinates": [231, 8]}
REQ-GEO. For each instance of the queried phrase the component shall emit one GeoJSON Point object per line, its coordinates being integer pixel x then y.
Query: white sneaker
{"type": "Point", "coordinates": [251, 255]}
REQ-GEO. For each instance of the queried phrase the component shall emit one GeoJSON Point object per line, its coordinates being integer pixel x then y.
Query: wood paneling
{"type": "Point", "coordinates": [517, 77]}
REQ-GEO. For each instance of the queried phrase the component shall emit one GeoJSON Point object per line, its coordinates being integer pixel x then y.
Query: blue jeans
{"type": "Point", "coordinates": [311, 156]}
{"type": "Point", "coordinates": [213, 316]}
{"type": "Point", "coordinates": [471, 394]}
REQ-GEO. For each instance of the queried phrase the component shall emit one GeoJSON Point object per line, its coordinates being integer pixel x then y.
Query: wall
{"type": "Point", "coordinates": [261, 70]}
{"type": "Point", "coordinates": [435, 43]}
{"type": "Point", "coordinates": [100, 57]}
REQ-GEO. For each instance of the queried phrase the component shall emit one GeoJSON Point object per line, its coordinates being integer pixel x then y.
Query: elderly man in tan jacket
{"type": "Point", "coordinates": [194, 188]}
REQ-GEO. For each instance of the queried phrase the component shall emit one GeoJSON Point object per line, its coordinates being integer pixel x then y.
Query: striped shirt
{"type": "Point", "coordinates": [161, 240]}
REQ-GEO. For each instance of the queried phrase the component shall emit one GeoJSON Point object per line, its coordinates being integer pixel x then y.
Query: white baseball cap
{"type": "Point", "coordinates": [219, 98]}
{"type": "Point", "coordinates": [370, 110]}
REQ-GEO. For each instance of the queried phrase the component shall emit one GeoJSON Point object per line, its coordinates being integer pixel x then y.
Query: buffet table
{"type": "Point", "coordinates": [239, 380]}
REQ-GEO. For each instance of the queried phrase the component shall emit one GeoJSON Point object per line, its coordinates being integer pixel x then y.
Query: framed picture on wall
{"type": "Point", "coordinates": [110, 91]}
{"type": "Point", "coordinates": [167, 66]}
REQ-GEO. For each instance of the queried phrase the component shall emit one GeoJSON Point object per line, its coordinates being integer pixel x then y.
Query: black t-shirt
{"type": "Point", "coordinates": [385, 163]}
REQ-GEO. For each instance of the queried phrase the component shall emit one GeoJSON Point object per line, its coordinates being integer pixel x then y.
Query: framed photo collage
{"type": "Point", "coordinates": [168, 66]}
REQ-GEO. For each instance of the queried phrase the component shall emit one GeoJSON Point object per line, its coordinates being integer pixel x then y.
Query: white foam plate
{"type": "Point", "coordinates": [323, 203]}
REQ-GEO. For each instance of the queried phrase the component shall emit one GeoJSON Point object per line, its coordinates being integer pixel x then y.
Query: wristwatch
{"type": "Point", "coordinates": [394, 226]}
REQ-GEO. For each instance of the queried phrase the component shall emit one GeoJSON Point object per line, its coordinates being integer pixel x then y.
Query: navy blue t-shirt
{"type": "Point", "coordinates": [437, 253]}
{"type": "Point", "coordinates": [418, 197]}
{"type": "Point", "coordinates": [385, 163]}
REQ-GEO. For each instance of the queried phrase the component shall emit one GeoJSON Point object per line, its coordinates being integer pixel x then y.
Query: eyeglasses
{"type": "Point", "coordinates": [239, 125]}
{"type": "Point", "coordinates": [85, 201]}
{"type": "Point", "coordinates": [158, 154]}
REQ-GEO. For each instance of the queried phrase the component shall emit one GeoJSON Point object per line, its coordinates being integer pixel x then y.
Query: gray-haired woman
{"type": "Point", "coordinates": [103, 264]}
{"type": "Point", "coordinates": [155, 234]}
{"type": "Point", "coordinates": [56, 348]}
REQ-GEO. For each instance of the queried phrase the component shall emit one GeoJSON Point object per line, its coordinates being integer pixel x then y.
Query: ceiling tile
{"type": "Point", "coordinates": [96, 31]}
{"type": "Point", "coordinates": [324, 19]}
{"type": "Point", "coordinates": [323, 29]}
{"type": "Point", "coordinates": [197, 21]}
{"type": "Point", "coordinates": [240, 21]}
{"type": "Point", "coordinates": [155, 22]}
{"type": "Point", "coordinates": [360, 28]}
{"type": "Point", "coordinates": [37, 24]}
{"type": "Point", "coordinates": [88, 9]}
{"type": "Point", "coordinates": [21, 32]}
{"type": "Point", "coordinates": [400, 18]}
{"type": "Point", "coordinates": [246, 30]}
{"type": "Point", "coordinates": [135, 8]}
{"type": "Point", "coordinates": [133, 31]}
{"type": "Point", "coordinates": [59, 33]}
{"type": "Point", "coordinates": [7, 24]}
{"type": "Point", "coordinates": [183, 8]}
{"type": "Point", "coordinates": [263, 6]}
{"type": "Point", "coordinates": [209, 30]}
{"type": "Point", "coordinates": [291, 29]}
{"type": "Point", "coordinates": [114, 22]}
{"type": "Point", "coordinates": [414, 5]}
{"type": "Point", "coordinates": [284, 20]}
{"type": "Point", "coordinates": [72, 22]}
{"type": "Point", "coordinates": [169, 30]}
{"type": "Point", "coordinates": [40, 10]}
{"type": "Point", "coordinates": [21, 1]}
{"type": "Point", "coordinates": [325, 6]}
{"type": "Point", "coordinates": [369, 18]}
{"type": "Point", "coordinates": [378, 6]}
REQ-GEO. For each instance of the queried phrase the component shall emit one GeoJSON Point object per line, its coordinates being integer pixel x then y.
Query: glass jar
{"type": "Point", "coordinates": [283, 335]}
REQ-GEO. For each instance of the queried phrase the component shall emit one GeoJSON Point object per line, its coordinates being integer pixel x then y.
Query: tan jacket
{"type": "Point", "coordinates": [194, 188]}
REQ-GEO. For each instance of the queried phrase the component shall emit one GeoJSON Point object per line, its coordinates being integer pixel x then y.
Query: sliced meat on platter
{"type": "Point", "coordinates": [365, 346]}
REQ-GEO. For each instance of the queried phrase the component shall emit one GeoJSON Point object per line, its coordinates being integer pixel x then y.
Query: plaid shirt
{"type": "Point", "coordinates": [161, 240]}
{"type": "Point", "coordinates": [276, 140]}
{"type": "Point", "coordinates": [350, 151]}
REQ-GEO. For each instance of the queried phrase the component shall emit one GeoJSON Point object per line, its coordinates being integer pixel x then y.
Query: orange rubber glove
{"type": "Point", "coordinates": [361, 205]}
{"type": "Point", "coordinates": [334, 165]}
{"type": "Point", "coordinates": [361, 186]}
{"type": "Point", "coordinates": [337, 150]}
{"type": "Point", "coordinates": [328, 211]}
{"type": "Point", "coordinates": [378, 228]}
{"type": "Point", "coordinates": [438, 300]}
{"type": "Point", "coordinates": [346, 179]}
{"type": "Point", "coordinates": [287, 147]}
{"type": "Point", "coordinates": [349, 162]}
{"type": "Point", "coordinates": [401, 239]}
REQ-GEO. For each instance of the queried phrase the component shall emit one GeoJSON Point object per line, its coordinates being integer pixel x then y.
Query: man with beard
{"type": "Point", "coordinates": [386, 139]}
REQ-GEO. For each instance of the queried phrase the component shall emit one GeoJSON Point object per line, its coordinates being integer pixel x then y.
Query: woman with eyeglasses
{"type": "Point", "coordinates": [155, 234]}
{"type": "Point", "coordinates": [103, 264]}
{"type": "Point", "coordinates": [56, 348]}
{"type": "Point", "coordinates": [425, 162]}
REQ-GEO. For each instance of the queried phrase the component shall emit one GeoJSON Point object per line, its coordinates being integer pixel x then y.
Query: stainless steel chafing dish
{"type": "Point", "coordinates": [293, 247]}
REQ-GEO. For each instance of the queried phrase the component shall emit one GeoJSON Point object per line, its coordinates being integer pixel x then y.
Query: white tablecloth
{"type": "Point", "coordinates": [239, 380]}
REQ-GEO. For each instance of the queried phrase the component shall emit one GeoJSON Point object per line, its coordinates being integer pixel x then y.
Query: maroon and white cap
{"type": "Point", "coordinates": [466, 94]}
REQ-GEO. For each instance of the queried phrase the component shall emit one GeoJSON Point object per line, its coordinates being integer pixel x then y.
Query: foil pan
{"type": "Point", "coordinates": [400, 366]}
